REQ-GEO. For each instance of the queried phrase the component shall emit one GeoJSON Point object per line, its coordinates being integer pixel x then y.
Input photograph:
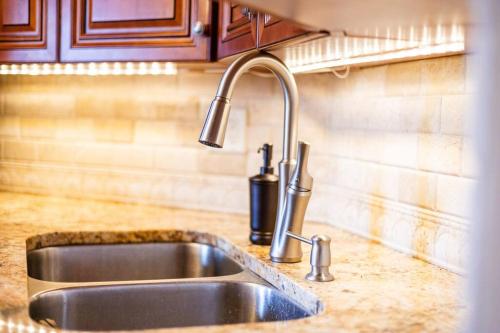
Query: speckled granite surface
{"type": "Point", "coordinates": [376, 289]}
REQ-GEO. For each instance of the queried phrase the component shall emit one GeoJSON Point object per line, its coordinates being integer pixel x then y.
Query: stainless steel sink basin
{"type": "Point", "coordinates": [162, 305]}
{"type": "Point", "coordinates": [126, 262]}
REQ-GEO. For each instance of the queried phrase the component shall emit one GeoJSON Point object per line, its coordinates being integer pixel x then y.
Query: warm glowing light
{"type": "Point", "coordinates": [340, 50]}
{"type": "Point", "coordinates": [117, 68]}
{"type": "Point", "coordinates": [375, 58]}
{"type": "Point", "coordinates": [92, 68]}
{"type": "Point", "coordinates": [80, 69]}
{"type": "Point", "coordinates": [68, 69]}
{"type": "Point", "coordinates": [129, 68]}
{"type": "Point", "coordinates": [142, 68]}
{"type": "Point", "coordinates": [155, 68]}
{"type": "Point", "coordinates": [170, 68]}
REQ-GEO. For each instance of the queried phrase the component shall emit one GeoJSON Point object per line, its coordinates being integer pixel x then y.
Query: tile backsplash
{"type": "Point", "coordinates": [390, 153]}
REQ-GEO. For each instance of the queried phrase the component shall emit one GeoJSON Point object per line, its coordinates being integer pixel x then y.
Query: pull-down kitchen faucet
{"type": "Point", "coordinates": [285, 247]}
{"type": "Point", "coordinates": [214, 129]}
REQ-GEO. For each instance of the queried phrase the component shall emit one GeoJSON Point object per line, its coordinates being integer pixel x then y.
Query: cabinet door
{"type": "Point", "coordinates": [135, 30]}
{"type": "Point", "coordinates": [28, 31]}
{"type": "Point", "coordinates": [273, 30]}
{"type": "Point", "coordinates": [237, 29]}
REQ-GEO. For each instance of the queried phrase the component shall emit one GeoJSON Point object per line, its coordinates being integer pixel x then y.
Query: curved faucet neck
{"type": "Point", "coordinates": [288, 85]}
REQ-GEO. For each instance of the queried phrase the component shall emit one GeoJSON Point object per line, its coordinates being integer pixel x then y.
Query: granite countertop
{"type": "Point", "coordinates": [376, 289]}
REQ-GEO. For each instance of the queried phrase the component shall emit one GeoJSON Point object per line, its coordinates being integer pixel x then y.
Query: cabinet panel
{"type": "Point", "coordinates": [237, 29]}
{"type": "Point", "coordinates": [130, 10]}
{"type": "Point", "coordinates": [274, 30]}
{"type": "Point", "coordinates": [109, 30]}
{"type": "Point", "coordinates": [16, 12]}
{"type": "Point", "coordinates": [28, 30]}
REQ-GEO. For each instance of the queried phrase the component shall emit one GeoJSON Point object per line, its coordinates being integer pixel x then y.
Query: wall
{"type": "Point", "coordinates": [390, 156]}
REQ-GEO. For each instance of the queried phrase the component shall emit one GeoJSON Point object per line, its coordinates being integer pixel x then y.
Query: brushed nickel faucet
{"type": "Point", "coordinates": [284, 248]}
{"type": "Point", "coordinates": [214, 130]}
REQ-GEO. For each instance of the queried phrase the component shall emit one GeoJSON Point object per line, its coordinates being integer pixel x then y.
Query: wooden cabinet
{"type": "Point", "coordinates": [241, 29]}
{"type": "Point", "coordinates": [28, 30]}
{"type": "Point", "coordinates": [274, 30]}
{"type": "Point", "coordinates": [237, 29]}
{"type": "Point", "coordinates": [134, 30]}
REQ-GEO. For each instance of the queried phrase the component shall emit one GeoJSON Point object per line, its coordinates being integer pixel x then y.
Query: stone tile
{"type": "Point", "coordinates": [186, 110]}
{"type": "Point", "coordinates": [39, 104]}
{"type": "Point", "coordinates": [341, 143]}
{"type": "Point", "coordinates": [19, 150]}
{"type": "Point", "coordinates": [176, 160]}
{"type": "Point", "coordinates": [418, 188]}
{"type": "Point", "coordinates": [10, 126]}
{"type": "Point", "coordinates": [454, 195]}
{"type": "Point", "coordinates": [221, 163]}
{"type": "Point", "coordinates": [124, 156]}
{"type": "Point", "coordinates": [187, 134]}
{"type": "Point", "coordinates": [455, 114]}
{"type": "Point", "coordinates": [367, 81]}
{"type": "Point", "coordinates": [257, 135]}
{"type": "Point", "coordinates": [398, 149]}
{"type": "Point", "coordinates": [403, 79]}
{"type": "Point", "coordinates": [341, 116]}
{"type": "Point", "coordinates": [321, 85]}
{"type": "Point", "coordinates": [100, 105]}
{"type": "Point", "coordinates": [381, 113]}
{"type": "Point", "coordinates": [265, 111]}
{"type": "Point", "coordinates": [154, 132]}
{"type": "Point", "coordinates": [75, 129]}
{"type": "Point", "coordinates": [320, 168]}
{"type": "Point", "coordinates": [57, 152]}
{"type": "Point", "coordinates": [420, 114]}
{"type": "Point", "coordinates": [113, 130]}
{"type": "Point", "coordinates": [382, 181]}
{"type": "Point", "coordinates": [349, 174]}
{"type": "Point", "coordinates": [38, 127]}
{"type": "Point", "coordinates": [235, 140]}
{"type": "Point", "coordinates": [444, 75]}
{"type": "Point", "coordinates": [440, 153]}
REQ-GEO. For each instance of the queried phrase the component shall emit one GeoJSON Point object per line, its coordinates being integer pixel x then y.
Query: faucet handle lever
{"type": "Point", "coordinates": [320, 256]}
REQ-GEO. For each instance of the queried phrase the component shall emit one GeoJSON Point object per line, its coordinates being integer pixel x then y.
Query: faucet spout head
{"type": "Point", "coordinates": [214, 130]}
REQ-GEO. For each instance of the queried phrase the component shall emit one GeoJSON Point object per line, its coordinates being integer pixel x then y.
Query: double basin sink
{"type": "Point", "coordinates": [147, 286]}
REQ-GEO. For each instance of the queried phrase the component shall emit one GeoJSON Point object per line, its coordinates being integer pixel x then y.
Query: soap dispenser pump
{"type": "Point", "coordinates": [263, 200]}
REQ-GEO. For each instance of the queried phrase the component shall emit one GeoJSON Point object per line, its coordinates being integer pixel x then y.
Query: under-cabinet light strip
{"type": "Point", "coordinates": [92, 68]}
{"type": "Point", "coordinates": [418, 52]}
{"type": "Point", "coordinates": [339, 50]}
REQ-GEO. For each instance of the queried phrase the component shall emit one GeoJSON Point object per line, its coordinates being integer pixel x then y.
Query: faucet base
{"type": "Point", "coordinates": [320, 274]}
{"type": "Point", "coordinates": [286, 260]}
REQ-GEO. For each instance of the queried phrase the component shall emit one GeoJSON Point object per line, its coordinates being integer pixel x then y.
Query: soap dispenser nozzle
{"type": "Point", "coordinates": [267, 155]}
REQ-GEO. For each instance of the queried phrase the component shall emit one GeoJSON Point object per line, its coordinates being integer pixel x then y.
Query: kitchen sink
{"type": "Point", "coordinates": [126, 262]}
{"type": "Point", "coordinates": [162, 305]}
{"type": "Point", "coordinates": [139, 286]}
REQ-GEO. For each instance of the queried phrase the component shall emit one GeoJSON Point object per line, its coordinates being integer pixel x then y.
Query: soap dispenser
{"type": "Point", "coordinates": [263, 200]}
